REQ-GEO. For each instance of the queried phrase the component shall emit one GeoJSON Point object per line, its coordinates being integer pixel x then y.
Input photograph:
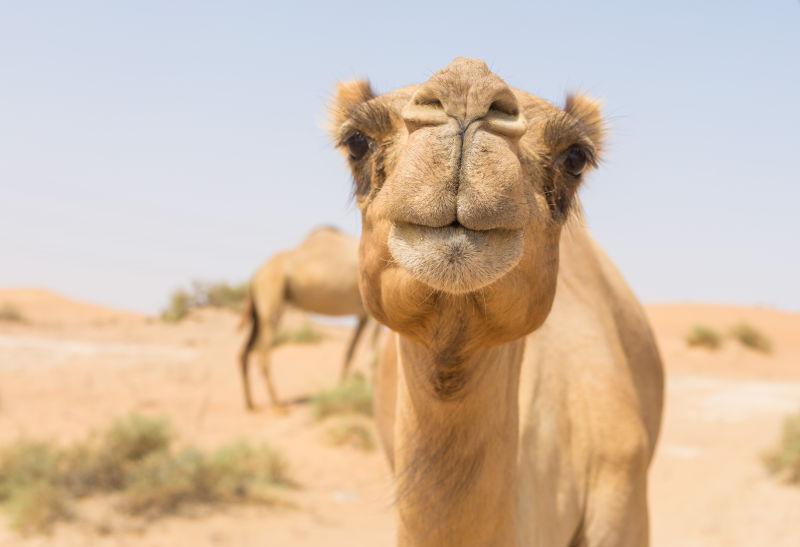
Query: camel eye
{"type": "Point", "coordinates": [357, 146]}
{"type": "Point", "coordinates": [575, 160]}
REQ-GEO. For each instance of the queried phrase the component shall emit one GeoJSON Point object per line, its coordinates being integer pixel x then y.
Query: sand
{"type": "Point", "coordinates": [72, 367]}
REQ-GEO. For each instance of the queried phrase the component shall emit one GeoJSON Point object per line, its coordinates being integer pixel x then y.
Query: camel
{"type": "Point", "coordinates": [319, 276]}
{"type": "Point", "coordinates": [519, 399]}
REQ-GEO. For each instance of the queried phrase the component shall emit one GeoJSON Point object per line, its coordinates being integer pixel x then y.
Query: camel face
{"type": "Point", "coordinates": [463, 184]}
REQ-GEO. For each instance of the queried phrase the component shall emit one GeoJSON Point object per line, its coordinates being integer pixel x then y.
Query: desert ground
{"type": "Point", "coordinates": [70, 367]}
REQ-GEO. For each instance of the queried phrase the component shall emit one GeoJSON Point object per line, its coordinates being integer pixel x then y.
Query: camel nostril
{"type": "Point", "coordinates": [504, 107]}
{"type": "Point", "coordinates": [426, 108]}
{"type": "Point", "coordinates": [431, 102]}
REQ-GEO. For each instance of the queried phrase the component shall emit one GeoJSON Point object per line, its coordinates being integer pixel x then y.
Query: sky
{"type": "Point", "coordinates": [147, 144]}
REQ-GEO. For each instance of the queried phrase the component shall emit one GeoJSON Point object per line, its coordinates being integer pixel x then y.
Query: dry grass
{"type": "Point", "coordinates": [304, 334]}
{"type": "Point", "coordinates": [784, 460]}
{"type": "Point", "coordinates": [134, 459]}
{"type": "Point", "coordinates": [353, 396]}
{"type": "Point", "coordinates": [11, 314]}
{"type": "Point", "coordinates": [751, 337]}
{"type": "Point", "coordinates": [354, 432]}
{"type": "Point", "coordinates": [703, 336]}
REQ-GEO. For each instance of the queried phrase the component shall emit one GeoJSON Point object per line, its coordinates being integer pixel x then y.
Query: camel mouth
{"type": "Point", "coordinates": [452, 258]}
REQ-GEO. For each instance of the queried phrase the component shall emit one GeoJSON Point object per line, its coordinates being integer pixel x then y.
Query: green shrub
{"type": "Point", "coordinates": [784, 459]}
{"type": "Point", "coordinates": [11, 314]}
{"type": "Point", "coordinates": [703, 336]}
{"type": "Point", "coordinates": [304, 334]}
{"type": "Point", "coordinates": [353, 396]}
{"type": "Point", "coordinates": [751, 337]}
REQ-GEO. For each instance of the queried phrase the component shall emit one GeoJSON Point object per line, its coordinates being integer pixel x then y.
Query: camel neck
{"type": "Point", "coordinates": [456, 457]}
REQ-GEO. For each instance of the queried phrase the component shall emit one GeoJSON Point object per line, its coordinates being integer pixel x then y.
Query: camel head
{"type": "Point", "coordinates": [464, 185]}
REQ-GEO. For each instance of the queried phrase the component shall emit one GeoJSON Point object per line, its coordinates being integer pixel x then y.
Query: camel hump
{"type": "Point", "coordinates": [326, 228]}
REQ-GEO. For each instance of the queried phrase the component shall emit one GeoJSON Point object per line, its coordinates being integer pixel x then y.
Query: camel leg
{"type": "Point", "coordinates": [251, 317]}
{"type": "Point", "coordinates": [375, 345]}
{"type": "Point", "coordinates": [264, 352]}
{"type": "Point", "coordinates": [268, 293]}
{"type": "Point", "coordinates": [348, 359]}
{"type": "Point", "coordinates": [243, 365]}
{"type": "Point", "coordinates": [617, 510]}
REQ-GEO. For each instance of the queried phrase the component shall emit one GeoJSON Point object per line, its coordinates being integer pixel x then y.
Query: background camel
{"type": "Point", "coordinates": [319, 276]}
{"type": "Point", "coordinates": [520, 400]}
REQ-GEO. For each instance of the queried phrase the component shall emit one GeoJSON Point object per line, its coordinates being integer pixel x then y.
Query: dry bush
{"type": "Point", "coordinates": [179, 307]}
{"type": "Point", "coordinates": [134, 458]}
{"type": "Point", "coordinates": [703, 336]}
{"type": "Point", "coordinates": [29, 489]}
{"type": "Point", "coordinates": [784, 460]}
{"type": "Point", "coordinates": [11, 314]}
{"type": "Point", "coordinates": [352, 432]}
{"type": "Point", "coordinates": [353, 396]}
{"type": "Point", "coordinates": [38, 507]}
{"type": "Point", "coordinates": [104, 462]}
{"type": "Point", "coordinates": [751, 337]}
{"type": "Point", "coordinates": [166, 482]}
{"type": "Point", "coordinates": [220, 295]}
{"type": "Point", "coordinates": [204, 295]}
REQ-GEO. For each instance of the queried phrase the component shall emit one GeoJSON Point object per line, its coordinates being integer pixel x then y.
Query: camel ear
{"type": "Point", "coordinates": [588, 112]}
{"type": "Point", "coordinates": [348, 96]}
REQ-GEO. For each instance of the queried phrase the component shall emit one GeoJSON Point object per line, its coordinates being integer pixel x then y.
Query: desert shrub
{"type": "Point", "coordinates": [353, 396]}
{"type": "Point", "coordinates": [24, 463]}
{"type": "Point", "coordinates": [38, 507]}
{"type": "Point", "coordinates": [751, 337]}
{"type": "Point", "coordinates": [29, 488]}
{"type": "Point", "coordinates": [135, 437]}
{"type": "Point", "coordinates": [105, 463]}
{"type": "Point", "coordinates": [204, 295]}
{"type": "Point", "coordinates": [134, 458]}
{"type": "Point", "coordinates": [11, 314]}
{"type": "Point", "coordinates": [703, 336]}
{"type": "Point", "coordinates": [242, 462]}
{"type": "Point", "coordinates": [166, 482]}
{"type": "Point", "coordinates": [352, 432]}
{"type": "Point", "coordinates": [180, 304]}
{"type": "Point", "coordinates": [784, 460]}
{"type": "Point", "coordinates": [219, 295]}
{"type": "Point", "coordinates": [304, 334]}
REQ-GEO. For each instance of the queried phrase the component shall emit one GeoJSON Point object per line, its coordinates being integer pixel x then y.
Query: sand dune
{"type": "Point", "coordinates": [44, 307]}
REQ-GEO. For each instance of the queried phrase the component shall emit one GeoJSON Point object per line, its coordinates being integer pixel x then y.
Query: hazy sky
{"type": "Point", "coordinates": [146, 144]}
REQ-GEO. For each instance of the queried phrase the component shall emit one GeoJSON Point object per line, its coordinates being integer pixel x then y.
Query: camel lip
{"type": "Point", "coordinates": [454, 227]}
{"type": "Point", "coordinates": [453, 258]}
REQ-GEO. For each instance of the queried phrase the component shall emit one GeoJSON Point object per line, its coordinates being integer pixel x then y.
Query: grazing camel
{"type": "Point", "coordinates": [520, 398]}
{"type": "Point", "coordinates": [319, 276]}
